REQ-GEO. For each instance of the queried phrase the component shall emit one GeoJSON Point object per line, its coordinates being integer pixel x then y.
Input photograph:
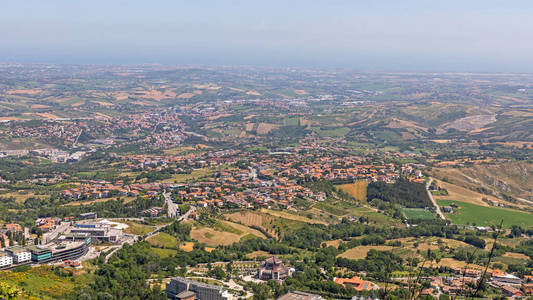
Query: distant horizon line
{"type": "Point", "coordinates": [276, 67]}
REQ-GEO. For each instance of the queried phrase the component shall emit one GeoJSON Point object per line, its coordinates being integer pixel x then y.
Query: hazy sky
{"type": "Point", "coordinates": [426, 35]}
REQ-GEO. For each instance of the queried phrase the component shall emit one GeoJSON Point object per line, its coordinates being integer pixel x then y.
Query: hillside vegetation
{"type": "Point", "coordinates": [402, 192]}
{"type": "Point", "coordinates": [503, 180]}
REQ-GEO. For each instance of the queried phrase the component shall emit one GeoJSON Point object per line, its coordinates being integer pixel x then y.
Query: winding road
{"type": "Point", "coordinates": [439, 212]}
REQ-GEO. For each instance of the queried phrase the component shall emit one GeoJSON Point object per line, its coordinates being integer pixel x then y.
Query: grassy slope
{"type": "Point", "coordinates": [511, 178]}
{"type": "Point", "coordinates": [163, 239]}
{"type": "Point", "coordinates": [356, 189]}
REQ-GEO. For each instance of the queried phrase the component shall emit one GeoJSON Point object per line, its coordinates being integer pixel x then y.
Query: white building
{"type": "Point", "coordinates": [508, 279]}
{"type": "Point", "coordinates": [19, 254]}
{"type": "Point", "coordinates": [5, 259]}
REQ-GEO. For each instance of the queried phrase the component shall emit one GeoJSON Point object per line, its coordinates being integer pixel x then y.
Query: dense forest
{"type": "Point", "coordinates": [403, 192]}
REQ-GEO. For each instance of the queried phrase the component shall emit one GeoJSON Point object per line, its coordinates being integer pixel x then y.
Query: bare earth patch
{"type": "Point", "coordinates": [360, 252]}
{"type": "Point", "coordinates": [187, 246]}
{"type": "Point", "coordinates": [516, 255]}
{"type": "Point", "coordinates": [258, 253]}
{"type": "Point", "coordinates": [48, 115]}
{"type": "Point", "coordinates": [212, 237]}
{"type": "Point", "coordinates": [186, 95]}
{"type": "Point", "coordinates": [287, 215]}
{"type": "Point", "coordinates": [469, 123]}
{"type": "Point", "coordinates": [37, 106]}
{"type": "Point", "coordinates": [25, 92]}
{"type": "Point", "coordinates": [157, 95]}
{"type": "Point", "coordinates": [264, 128]}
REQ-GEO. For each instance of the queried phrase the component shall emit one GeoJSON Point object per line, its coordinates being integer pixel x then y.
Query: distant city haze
{"type": "Point", "coordinates": [407, 35]}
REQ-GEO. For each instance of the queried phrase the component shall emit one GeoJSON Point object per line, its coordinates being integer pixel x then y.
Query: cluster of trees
{"type": "Point", "coordinates": [109, 209]}
{"type": "Point", "coordinates": [475, 241]}
{"type": "Point", "coordinates": [311, 236]}
{"type": "Point", "coordinates": [125, 275]}
{"type": "Point", "coordinates": [403, 192]}
{"type": "Point", "coordinates": [156, 175]}
{"type": "Point", "coordinates": [180, 230]}
{"type": "Point", "coordinates": [374, 262]}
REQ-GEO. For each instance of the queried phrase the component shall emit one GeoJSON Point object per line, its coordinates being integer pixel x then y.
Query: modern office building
{"type": "Point", "coordinates": [97, 231]}
{"type": "Point", "coordinates": [39, 253]}
{"type": "Point", "coordinates": [186, 289]}
{"type": "Point", "coordinates": [71, 250]}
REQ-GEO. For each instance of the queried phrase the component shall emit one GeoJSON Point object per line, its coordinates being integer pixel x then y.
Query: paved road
{"type": "Point", "coordinates": [158, 228]}
{"type": "Point", "coordinates": [116, 248]}
{"type": "Point", "coordinates": [153, 232]}
{"type": "Point", "coordinates": [75, 144]}
{"type": "Point", "coordinates": [187, 214]}
{"type": "Point", "coordinates": [439, 212]}
{"type": "Point", "coordinates": [52, 235]}
{"type": "Point", "coordinates": [172, 208]}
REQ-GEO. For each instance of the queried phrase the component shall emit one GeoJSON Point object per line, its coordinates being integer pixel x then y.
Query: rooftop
{"type": "Point", "coordinates": [297, 295]}
{"type": "Point", "coordinates": [186, 294]}
{"type": "Point", "coordinates": [16, 249]}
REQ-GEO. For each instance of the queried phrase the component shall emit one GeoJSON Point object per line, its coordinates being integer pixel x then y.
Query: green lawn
{"type": "Point", "coordinates": [164, 252]}
{"type": "Point", "coordinates": [163, 239]}
{"type": "Point", "coordinates": [470, 214]}
{"type": "Point", "coordinates": [138, 229]}
{"type": "Point", "coordinates": [373, 216]}
{"type": "Point", "coordinates": [418, 214]}
{"type": "Point", "coordinates": [335, 132]}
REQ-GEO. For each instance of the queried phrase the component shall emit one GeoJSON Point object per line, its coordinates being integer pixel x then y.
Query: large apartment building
{"type": "Point", "coordinates": [5, 259]}
{"type": "Point", "coordinates": [19, 254]}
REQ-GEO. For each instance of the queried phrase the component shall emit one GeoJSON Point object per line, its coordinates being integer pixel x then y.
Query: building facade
{"type": "Point", "coordinates": [39, 253]}
{"type": "Point", "coordinates": [273, 269]}
{"type": "Point", "coordinates": [178, 285]}
{"type": "Point", "coordinates": [5, 259]}
{"type": "Point", "coordinates": [19, 254]}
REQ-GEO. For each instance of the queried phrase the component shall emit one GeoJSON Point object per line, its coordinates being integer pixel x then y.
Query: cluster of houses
{"type": "Point", "coordinates": [103, 189]}
{"type": "Point", "coordinates": [271, 179]}
{"type": "Point", "coordinates": [461, 283]}
{"type": "Point", "coordinates": [65, 130]}
{"type": "Point", "coordinates": [55, 155]}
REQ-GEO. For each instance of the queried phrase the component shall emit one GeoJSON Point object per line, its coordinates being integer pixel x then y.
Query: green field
{"type": "Point", "coordinates": [471, 214]}
{"type": "Point", "coordinates": [163, 239]}
{"type": "Point", "coordinates": [164, 252]}
{"type": "Point", "coordinates": [418, 214]}
{"type": "Point", "coordinates": [136, 228]}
